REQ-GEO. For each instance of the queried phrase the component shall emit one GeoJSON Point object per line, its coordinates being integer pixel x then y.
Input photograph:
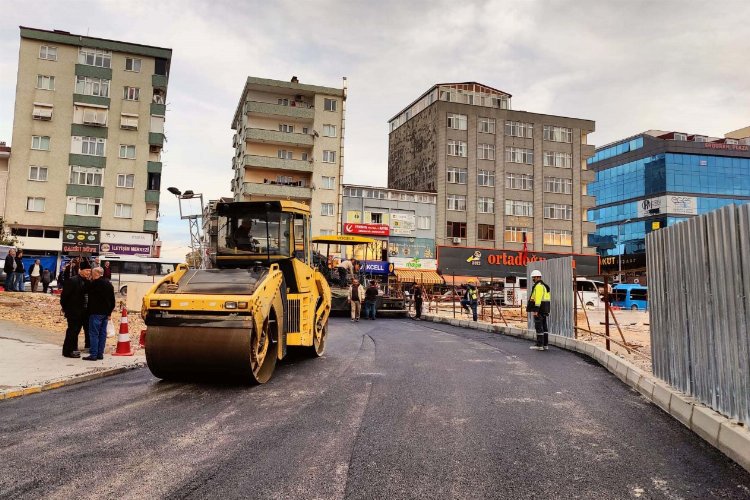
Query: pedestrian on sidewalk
{"type": "Point", "coordinates": [418, 302]}
{"type": "Point", "coordinates": [9, 268]}
{"type": "Point", "coordinates": [84, 270]}
{"type": "Point", "coordinates": [72, 303]}
{"type": "Point", "coordinates": [46, 278]}
{"type": "Point", "coordinates": [107, 271]}
{"type": "Point", "coordinates": [35, 273]}
{"type": "Point", "coordinates": [101, 304]}
{"type": "Point", "coordinates": [371, 300]}
{"type": "Point", "coordinates": [19, 272]}
{"type": "Point", "coordinates": [539, 304]}
{"type": "Point", "coordinates": [355, 298]}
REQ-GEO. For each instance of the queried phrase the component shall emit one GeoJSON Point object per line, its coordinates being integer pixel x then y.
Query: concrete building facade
{"type": "Point", "coordinates": [4, 158]}
{"type": "Point", "coordinates": [500, 175]}
{"type": "Point", "coordinates": [289, 145]}
{"type": "Point", "coordinates": [88, 133]}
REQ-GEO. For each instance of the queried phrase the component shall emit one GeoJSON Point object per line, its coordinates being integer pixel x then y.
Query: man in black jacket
{"type": "Point", "coordinates": [72, 301]}
{"type": "Point", "coordinates": [101, 304]}
{"type": "Point", "coordinates": [19, 283]}
{"type": "Point", "coordinates": [10, 268]}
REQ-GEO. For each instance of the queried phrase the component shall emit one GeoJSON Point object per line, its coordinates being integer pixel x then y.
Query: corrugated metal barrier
{"type": "Point", "coordinates": [558, 274]}
{"type": "Point", "coordinates": [699, 308]}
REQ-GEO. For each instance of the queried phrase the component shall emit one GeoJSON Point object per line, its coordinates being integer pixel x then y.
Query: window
{"type": "Point", "coordinates": [558, 134]}
{"type": "Point", "coordinates": [123, 211]}
{"type": "Point", "coordinates": [153, 181]}
{"type": "Point", "coordinates": [423, 222]}
{"type": "Point", "coordinates": [680, 137]}
{"type": "Point", "coordinates": [92, 86]}
{"type": "Point", "coordinates": [519, 129]}
{"type": "Point", "coordinates": [696, 138]}
{"type": "Point", "coordinates": [519, 208]}
{"type": "Point", "coordinates": [95, 57]}
{"type": "Point", "coordinates": [304, 156]}
{"type": "Point", "coordinates": [282, 102]}
{"type": "Point", "coordinates": [519, 155]}
{"type": "Point", "coordinates": [90, 116]}
{"type": "Point", "coordinates": [329, 157]}
{"type": "Point", "coordinates": [131, 93]}
{"type": "Point", "coordinates": [560, 237]}
{"type": "Point", "coordinates": [125, 180]}
{"type": "Point", "coordinates": [37, 173]}
{"type": "Point", "coordinates": [457, 148]}
{"type": "Point", "coordinates": [457, 122]}
{"type": "Point", "coordinates": [132, 64]}
{"type": "Point", "coordinates": [556, 185]}
{"type": "Point", "coordinates": [82, 205]}
{"type": "Point", "coordinates": [486, 125]}
{"type": "Point", "coordinates": [555, 211]}
{"type": "Point", "coordinates": [45, 82]}
{"type": "Point", "coordinates": [514, 234]}
{"type": "Point", "coordinates": [486, 205]}
{"type": "Point", "coordinates": [486, 151]}
{"type": "Point", "coordinates": [86, 176]}
{"type": "Point", "coordinates": [127, 151]}
{"type": "Point", "coordinates": [128, 122]}
{"type": "Point", "coordinates": [326, 209]}
{"type": "Point", "coordinates": [284, 154]}
{"type": "Point", "coordinates": [42, 112]}
{"type": "Point", "coordinates": [329, 130]}
{"type": "Point", "coordinates": [48, 53]}
{"type": "Point", "coordinates": [93, 146]}
{"type": "Point", "coordinates": [560, 160]}
{"type": "Point", "coordinates": [329, 104]}
{"type": "Point", "coordinates": [524, 182]}
{"type": "Point", "coordinates": [457, 202]}
{"type": "Point", "coordinates": [40, 142]}
{"type": "Point", "coordinates": [457, 175]}
{"type": "Point", "coordinates": [486, 178]}
{"type": "Point", "coordinates": [329, 182]}
{"type": "Point", "coordinates": [455, 230]}
{"type": "Point", "coordinates": [376, 218]}
{"type": "Point", "coordinates": [34, 204]}
{"type": "Point", "coordinates": [486, 232]}
{"type": "Point", "coordinates": [283, 127]}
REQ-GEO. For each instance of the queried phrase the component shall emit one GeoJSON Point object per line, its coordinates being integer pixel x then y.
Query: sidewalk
{"type": "Point", "coordinates": [30, 363]}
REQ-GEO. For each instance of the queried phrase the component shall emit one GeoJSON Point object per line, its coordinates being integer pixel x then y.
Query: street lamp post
{"type": "Point", "coordinates": [193, 214]}
{"type": "Point", "coordinates": [620, 250]}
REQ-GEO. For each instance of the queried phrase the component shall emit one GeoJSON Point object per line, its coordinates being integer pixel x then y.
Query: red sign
{"type": "Point", "coordinates": [80, 247]}
{"type": "Point", "coordinates": [370, 229]}
{"type": "Point", "coordinates": [733, 147]}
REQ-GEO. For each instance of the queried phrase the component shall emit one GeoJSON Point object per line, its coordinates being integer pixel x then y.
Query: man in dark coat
{"type": "Point", "coordinates": [72, 301]}
{"type": "Point", "coordinates": [101, 304]}
{"type": "Point", "coordinates": [9, 268]}
{"type": "Point", "coordinates": [19, 273]}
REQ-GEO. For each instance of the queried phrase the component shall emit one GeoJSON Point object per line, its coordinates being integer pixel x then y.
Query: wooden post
{"type": "Point", "coordinates": [575, 303]}
{"type": "Point", "coordinates": [606, 309]}
{"type": "Point", "coordinates": [453, 296]}
{"type": "Point", "coordinates": [492, 306]}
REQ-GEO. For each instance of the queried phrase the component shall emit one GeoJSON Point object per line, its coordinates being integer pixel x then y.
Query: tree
{"type": "Point", "coordinates": [5, 237]}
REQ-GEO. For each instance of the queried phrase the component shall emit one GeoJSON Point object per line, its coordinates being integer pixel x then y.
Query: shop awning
{"type": "Point", "coordinates": [418, 276]}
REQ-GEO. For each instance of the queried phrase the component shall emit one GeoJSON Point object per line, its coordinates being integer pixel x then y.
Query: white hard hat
{"type": "Point", "coordinates": [536, 274]}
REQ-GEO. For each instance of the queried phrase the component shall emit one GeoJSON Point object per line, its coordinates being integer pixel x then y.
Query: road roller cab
{"type": "Point", "coordinates": [261, 297]}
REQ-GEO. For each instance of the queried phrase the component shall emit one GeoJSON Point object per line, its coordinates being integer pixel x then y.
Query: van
{"type": "Point", "coordinates": [630, 296]}
{"type": "Point", "coordinates": [4, 249]}
{"type": "Point", "coordinates": [590, 293]}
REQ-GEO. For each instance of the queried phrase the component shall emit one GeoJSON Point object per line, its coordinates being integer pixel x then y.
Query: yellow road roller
{"type": "Point", "coordinates": [260, 297]}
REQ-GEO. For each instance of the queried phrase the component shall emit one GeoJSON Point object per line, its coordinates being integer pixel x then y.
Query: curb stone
{"type": "Point", "coordinates": [728, 436]}
{"type": "Point", "coordinates": [36, 389]}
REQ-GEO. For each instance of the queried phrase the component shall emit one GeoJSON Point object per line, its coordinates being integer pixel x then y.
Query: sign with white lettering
{"type": "Point", "coordinates": [668, 204]}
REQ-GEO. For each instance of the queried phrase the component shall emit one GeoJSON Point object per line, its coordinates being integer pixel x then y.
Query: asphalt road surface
{"type": "Point", "coordinates": [395, 409]}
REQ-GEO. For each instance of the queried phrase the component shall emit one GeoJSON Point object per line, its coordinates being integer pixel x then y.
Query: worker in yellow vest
{"type": "Point", "coordinates": [539, 304]}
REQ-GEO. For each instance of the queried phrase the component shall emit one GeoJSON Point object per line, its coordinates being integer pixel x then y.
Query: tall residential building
{"type": "Point", "coordinates": [88, 132]}
{"type": "Point", "coordinates": [4, 157]}
{"type": "Point", "coordinates": [500, 175]}
{"type": "Point", "coordinates": [657, 178]}
{"type": "Point", "coordinates": [289, 145]}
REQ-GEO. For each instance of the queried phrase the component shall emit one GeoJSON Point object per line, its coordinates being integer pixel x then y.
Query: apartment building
{"type": "Point", "coordinates": [289, 145]}
{"type": "Point", "coordinates": [88, 133]}
{"type": "Point", "coordinates": [4, 157]}
{"type": "Point", "coordinates": [501, 176]}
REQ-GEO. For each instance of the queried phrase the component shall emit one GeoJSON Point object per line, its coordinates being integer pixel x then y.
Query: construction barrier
{"type": "Point", "coordinates": [123, 339]}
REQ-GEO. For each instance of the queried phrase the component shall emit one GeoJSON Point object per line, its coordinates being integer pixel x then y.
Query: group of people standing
{"type": "Point", "coordinates": [15, 273]}
{"type": "Point", "coordinates": [363, 300]}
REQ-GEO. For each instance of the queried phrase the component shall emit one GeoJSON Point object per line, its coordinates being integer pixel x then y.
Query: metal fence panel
{"type": "Point", "coordinates": [699, 308]}
{"type": "Point", "coordinates": [558, 274]}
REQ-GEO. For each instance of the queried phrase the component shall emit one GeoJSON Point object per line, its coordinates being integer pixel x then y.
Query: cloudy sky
{"type": "Point", "coordinates": [628, 65]}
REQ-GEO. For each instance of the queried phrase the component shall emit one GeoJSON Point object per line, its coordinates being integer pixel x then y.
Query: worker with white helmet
{"type": "Point", "coordinates": [539, 304]}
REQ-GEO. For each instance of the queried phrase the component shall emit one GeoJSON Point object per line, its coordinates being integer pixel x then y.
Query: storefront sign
{"type": "Point", "coordinates": [76, 248]}
{"type": "Point", "coordinates": [668, 204]}
{"type": "Point", "coordinates": [403, 224]}
{"type": "Point", "coordinates": [612, 263]}
{"type": "Point", "coordinates": [120, 249]}
{"type": "Point", "coordinates": [731, 147]}
{"type": "Point", "coordinates": [367, 229]}
{"type": "Point", "coordinates": [402, 246]}
{"type": "Point", "coordinates": [415, 263]}
{"type": "Point", "coordinates": [143, 239]}
{"type": "Point", "coordinates": [80, 235]}
{"type": "Point", "coordinates": [376, 267]}
{"type": "Point", "coordinates": [487, 262]}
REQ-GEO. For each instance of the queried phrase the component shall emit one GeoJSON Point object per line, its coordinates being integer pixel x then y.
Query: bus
{"type": "Point", "coordinates": [630, 296]}
{"type": "Point", "coordinates": [126, 269]}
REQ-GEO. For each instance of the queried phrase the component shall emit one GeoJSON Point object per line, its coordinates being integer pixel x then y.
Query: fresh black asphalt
{"type": "Point", "coordinates": [395, 409]}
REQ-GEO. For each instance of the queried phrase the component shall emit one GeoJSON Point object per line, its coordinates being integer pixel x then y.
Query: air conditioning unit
{"type": "Point", "coordinates": [456, 241]}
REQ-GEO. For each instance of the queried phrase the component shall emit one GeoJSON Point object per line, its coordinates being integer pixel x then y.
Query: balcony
{"type": "Point", "coordinates": [587, 151]}
{"type": "Point", "coordinates": [90, 191]}
{"type": "Point", "coordinates": [153, 167]}
{"type": "Point", "coordinates": [88, 131]}
{"type": "Point", "coordinates": [152, 196]}
{"type": "Point", "coordinates": [158, 109]}
{"type": "Point", "coordinates": [150, 226]}
{"type": "Point", "coordinates": [87, 160]}
{"type": "Point", "coordinates": [156, 139]}
{"type": "Point", "coordinates": [264, 108]}
{"type": "Point", "coordinates": [276, 190]}
{"type": "Point", "coordinates": [91, 99]}
{"type": "Point", "coordinates": [280, 138]}
{"type": "Point", "coordinates": [159, 81]}
{"type": "Point", "coordinates": [93, 71]}
{"type": "Point", "coordinates": [588, 227]}
{"type": "Point", "coordinates": [588, 176]}
{"type": "Point", "coordinates": [256, 161]}
{"type": "Point", "coordinates": [82, 220]}
{"type": "Point", "coordinates": [588, 201]}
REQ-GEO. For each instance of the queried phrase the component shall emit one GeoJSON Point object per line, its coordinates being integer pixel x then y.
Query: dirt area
{"type": "Point", "coordinates": [633, 324]}
{"type": "Point", "coordinates": [43, 311]}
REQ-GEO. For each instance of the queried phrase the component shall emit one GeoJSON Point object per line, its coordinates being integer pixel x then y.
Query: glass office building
{"type": "Point", "coordinates": [659, 178]}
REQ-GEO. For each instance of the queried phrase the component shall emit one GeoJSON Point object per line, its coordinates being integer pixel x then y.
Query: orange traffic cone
{"type": "Point", "coordinates": [123, 339]}
{"type": "Point", "coordinates": [142, 339]}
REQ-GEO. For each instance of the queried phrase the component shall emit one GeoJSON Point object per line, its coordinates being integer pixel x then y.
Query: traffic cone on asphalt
{"type": "Point", "coordinates": [142, 339]}
{"type": "Point", "coordinates": [123, 339]}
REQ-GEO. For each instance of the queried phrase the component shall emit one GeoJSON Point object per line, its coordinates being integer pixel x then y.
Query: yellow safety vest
{"type": "Point", "coordinates": [540, 293]}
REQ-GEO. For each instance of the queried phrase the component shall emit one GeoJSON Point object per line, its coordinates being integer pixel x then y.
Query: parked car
{"type": "Point", "coordinates": [630, 296]}
{"type": "Point", "coordinates": [3, 253]}
{"type": "Point", "coordinates": [494, 298]}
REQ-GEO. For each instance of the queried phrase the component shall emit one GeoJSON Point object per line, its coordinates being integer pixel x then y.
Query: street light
{"type": "Point", "coordinates": [193, 212]}
{"type": "Point", "coordinates": [619, 253]}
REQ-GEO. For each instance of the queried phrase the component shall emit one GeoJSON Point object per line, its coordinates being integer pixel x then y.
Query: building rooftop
{"type": "Point", "coordinates": [67, 38]}
{"type": "Point", "coordinates": [479, 86]}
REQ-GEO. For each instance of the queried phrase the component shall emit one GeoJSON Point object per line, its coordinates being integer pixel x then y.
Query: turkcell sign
{"type": "Point", "coordinates": [376, 267]}
{"type": "Point", "coordinates": [489, 262]}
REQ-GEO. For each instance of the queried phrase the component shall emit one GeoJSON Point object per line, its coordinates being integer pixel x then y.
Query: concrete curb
{"type": "Point", "coordinates": [728, 436]}
{"type": "Point", "coordinates": [35, 389]}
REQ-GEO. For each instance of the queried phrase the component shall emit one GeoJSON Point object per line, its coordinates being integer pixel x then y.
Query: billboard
{"type": "Point", "coordinates": [488, 262]}
{"type": "Point", "coordinates": [80, 240]}
{"type": "Point", "coordinates": [668, 204]}
{"type": "Point", "coordinates": [415, 263]}
{"type": "Point", "coordinates": [367, 229]}
{"type": "Point", "coordinates": [376, 267]}
{"type": "Point", "coordinates": [403, 224]}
